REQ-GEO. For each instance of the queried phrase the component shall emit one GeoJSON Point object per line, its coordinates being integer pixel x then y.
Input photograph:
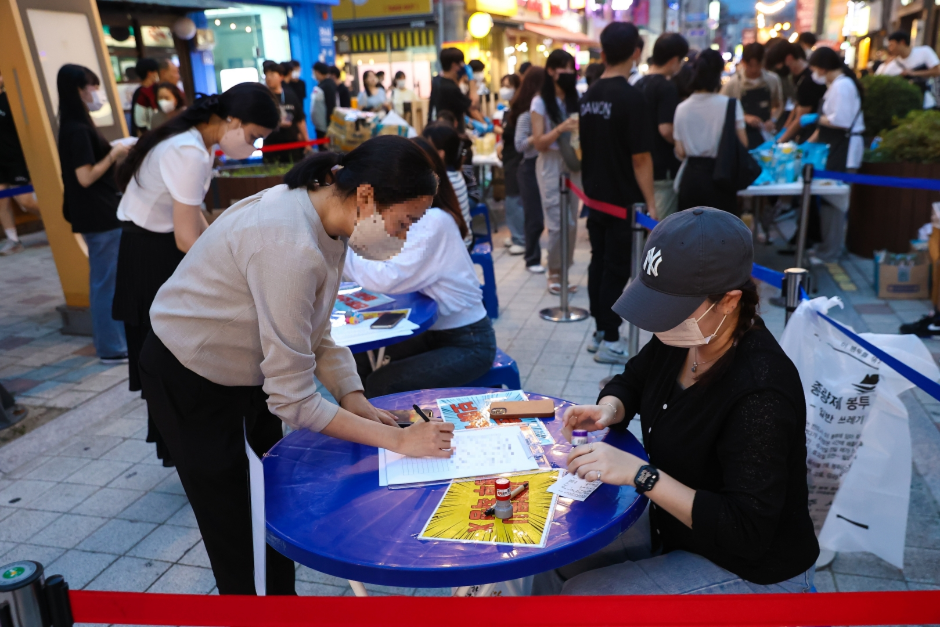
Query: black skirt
{"type": "Point", "coordinates": [697, 187]}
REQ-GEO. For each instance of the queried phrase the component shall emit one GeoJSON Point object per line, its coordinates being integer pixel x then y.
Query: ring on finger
{"type": "Point", "coordinates": [598, 475]}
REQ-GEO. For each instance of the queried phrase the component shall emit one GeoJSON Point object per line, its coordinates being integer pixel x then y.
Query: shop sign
{"type": "Point", "coordinates": [373, 9]}
{"type": "Point", "coordinates": [805, 16]}
{"type": "Point", "coordinates": [508, 8]}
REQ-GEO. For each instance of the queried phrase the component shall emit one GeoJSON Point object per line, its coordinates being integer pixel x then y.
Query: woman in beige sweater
{"type": "Point", "coordinates": [242, 327]}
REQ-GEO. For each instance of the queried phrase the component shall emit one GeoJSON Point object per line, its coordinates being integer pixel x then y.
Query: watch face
{"type": "Point", "coordinates": [644, 476]}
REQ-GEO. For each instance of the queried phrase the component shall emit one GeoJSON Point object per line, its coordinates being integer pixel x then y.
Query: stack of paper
{"type": "Point", "coordinates": [352, 334]}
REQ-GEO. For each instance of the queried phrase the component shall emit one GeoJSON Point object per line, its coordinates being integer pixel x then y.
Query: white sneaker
{"type": "Point", "coordinates": [612, 353]}
{"type": "Point", "coordinates": [507, 242]}
{"type": "Point", "coordinates": [536, 269]}
{"type": "Point", "coordinates": [516, 249]}
{"type": "Point", "coordinates": [11, 247]}
{"type": "Point", "coordinates": [596, 338]}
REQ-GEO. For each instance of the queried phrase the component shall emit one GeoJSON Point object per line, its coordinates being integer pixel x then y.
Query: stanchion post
{"type": "Point", "coordinates": [636, 262]}
{"type": "Point", "coordinates": [804, 213]}
{"type": "Point", "coordinates": [793, 278]}
{"type": "Point", "coordinates": [564, 313]}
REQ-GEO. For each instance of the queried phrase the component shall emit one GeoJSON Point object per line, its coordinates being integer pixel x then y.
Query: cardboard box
{"type": "Point", "coordinates": [900, 277]}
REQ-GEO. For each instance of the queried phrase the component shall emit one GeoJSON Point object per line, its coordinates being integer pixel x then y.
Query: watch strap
{"type": "Point", "coordinates": [646, 478]}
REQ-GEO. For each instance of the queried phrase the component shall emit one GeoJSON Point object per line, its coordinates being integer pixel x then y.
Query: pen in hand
{"type": "Point", "coordinates": [421, 413]}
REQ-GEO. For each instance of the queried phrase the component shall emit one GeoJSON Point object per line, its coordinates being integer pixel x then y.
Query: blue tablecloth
{"type": "Point", "coordinates": [423, 314]}
{"type": "Point", "coordinates": [325, 509]}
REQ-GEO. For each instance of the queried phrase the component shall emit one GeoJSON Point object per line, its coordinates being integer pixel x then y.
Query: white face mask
{"type": "Point", "coordinates": [295, 74]}
{"type": "Point", "coordinates": [371, 241]}
{"type": "Point", "coordinates": [95, 104]}
{"type": "Point", "coordinates": [465, 88]}
{"type": "Point", "coordinates": [819, 79]}
{"type": "Point", "coordinates": [688, 334]}
{"type": "Point", "coordinates": [234, 144]}
{"type": "Point", "coordinates": [506, 93]}
{"type": "Point", "coordinates": [167, 105]}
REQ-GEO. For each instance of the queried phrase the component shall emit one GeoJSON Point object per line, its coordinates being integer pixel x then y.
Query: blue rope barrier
{"type": "Point", "coordinates": [879, 181]}
{"type": "Point", "coordinates": [645, 221]}
{"type": "Point", "coordinates": [15, 191]}
{"type": "Point", "coordinates": [766, 275]}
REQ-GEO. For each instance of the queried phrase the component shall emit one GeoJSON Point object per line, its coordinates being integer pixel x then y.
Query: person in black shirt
{"type": "Point", "coordinates": [723, 416]}
{"type": "Point", "coordinates": [13, 173]}
{"type": "Point", "coordinates": [293, 81]}
{"type": "Point", "coordinates": [325, 90]}
{"type": "Point", "coordinates": [293, 122]}
{"type": "Point", "coordinates": [662, 98]}
{"type": "Point", "coordinates": [91, 201]}
{"type": "Point", "coordinates": [446, 94]}
{"type": "Point", "coordinates": [342, 91]}
{"type": "Point", "coordinates": [144, 100]}
{"type": "Point", "coordinates": [617, 168]}
{"type": "Point", "coordinates": [809, 93]}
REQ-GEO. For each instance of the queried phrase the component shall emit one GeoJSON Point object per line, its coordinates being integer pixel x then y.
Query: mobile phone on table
{"type": "Point", "coordinates": [508, 410]}
{"type": "Point", "coordinates": [388, 320]}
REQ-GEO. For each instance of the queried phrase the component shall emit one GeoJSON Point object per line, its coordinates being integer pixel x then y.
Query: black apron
{"type": "Point", "coordinates": [756, 102]}
{"type": "Point", "coordinates": [839, 140]}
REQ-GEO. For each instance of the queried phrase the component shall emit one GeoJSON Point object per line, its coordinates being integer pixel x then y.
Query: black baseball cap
{"type": "Point", "coordinates": [689, 256]}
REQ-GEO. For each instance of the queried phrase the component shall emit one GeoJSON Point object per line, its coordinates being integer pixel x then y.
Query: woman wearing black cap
{"type": "Point", "coordinates": [723, 416]}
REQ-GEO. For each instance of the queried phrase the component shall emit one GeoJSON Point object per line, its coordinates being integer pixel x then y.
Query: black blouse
{"type": "Point", "coordinates": [740, 443]}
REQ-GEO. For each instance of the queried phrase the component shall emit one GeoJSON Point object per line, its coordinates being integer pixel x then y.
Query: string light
{"type": "Point", "coordinates": [773, 7]}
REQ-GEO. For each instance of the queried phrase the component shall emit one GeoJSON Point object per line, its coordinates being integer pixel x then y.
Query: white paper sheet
{"type": "Point", "coordinates": [572, 487]}
{"type": "Point", "coordinates": [479, 452]}
{"type": "Point", "coordinates": [258, 543]}
{"type": "Point", "coordinates": [351, 334]}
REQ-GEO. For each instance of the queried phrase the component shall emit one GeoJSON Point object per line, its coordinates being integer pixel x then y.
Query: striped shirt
{"type": "Point", "coordinates": [523, 133]}
{"type": "Point", "coordinates": [460, 188]}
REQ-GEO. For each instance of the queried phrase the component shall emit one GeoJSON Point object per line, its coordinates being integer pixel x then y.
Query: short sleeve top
{"type": "Point", "coordinates": [699, 121]}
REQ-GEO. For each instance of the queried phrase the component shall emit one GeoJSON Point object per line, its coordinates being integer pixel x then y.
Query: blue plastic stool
{"type": "Point", "coordinates": [504, 372]}
{"type": "Point", "coordinates": [482, 210]}
{"type": "Point", "coordinates": [482, 255]}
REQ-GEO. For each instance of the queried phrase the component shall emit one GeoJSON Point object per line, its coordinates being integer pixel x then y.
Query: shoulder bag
{"type": "Point", "coordinates": [735, 168]}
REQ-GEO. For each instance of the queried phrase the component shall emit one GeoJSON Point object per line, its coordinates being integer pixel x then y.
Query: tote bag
{"type": "Point", "coordinates": [735, 168]}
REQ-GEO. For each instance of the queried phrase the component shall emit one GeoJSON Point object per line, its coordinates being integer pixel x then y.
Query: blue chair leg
{"type": "Point", "coordinates": [490, 298]}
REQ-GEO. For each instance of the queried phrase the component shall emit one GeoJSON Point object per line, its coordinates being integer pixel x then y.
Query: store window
{"type": "Point", "coordinates": [245, 37]}
{"type": "Point", "coordinates": [410, 51]}
{"type": "Point", "coordinates": [124, 50]}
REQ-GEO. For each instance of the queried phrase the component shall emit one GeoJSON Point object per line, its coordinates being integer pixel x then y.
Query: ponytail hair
{"type": "Point", "coordinates": [446, 197]}
{"type": "Point", "coordinates": [706, 71]}
{"type": "Point", "coordinates": [252, 103]}
{"type": "Point", "coordinates": [396, 168]}
{"type": "Point", "coordinates": [828, 59]}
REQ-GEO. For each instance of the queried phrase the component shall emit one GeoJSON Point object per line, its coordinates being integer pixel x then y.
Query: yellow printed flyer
{"type": "Point", "coordinates": [460, 516]}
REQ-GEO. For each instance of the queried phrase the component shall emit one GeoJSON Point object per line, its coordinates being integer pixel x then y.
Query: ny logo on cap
{"type": "Point", "coordinates": [653, 259]}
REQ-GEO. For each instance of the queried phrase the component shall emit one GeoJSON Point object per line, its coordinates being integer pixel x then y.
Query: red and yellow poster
{"type": "Point", "coordinates": [460, 516]}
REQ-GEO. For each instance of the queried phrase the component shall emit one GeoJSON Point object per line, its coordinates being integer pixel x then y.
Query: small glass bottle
{"type": "Point", "coordinates": [503, 499]}
{"type": "Point", "coordinates": [579, 437]}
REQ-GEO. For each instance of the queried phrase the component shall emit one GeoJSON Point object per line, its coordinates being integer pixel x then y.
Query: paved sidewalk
{"type": "Point", "coordinates": [85, 496]}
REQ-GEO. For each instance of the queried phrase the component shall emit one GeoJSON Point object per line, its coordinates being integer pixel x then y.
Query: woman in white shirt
{"type": "Point", "coordinates": [447, 144]}
{"type": "Point", "coordinates": [372, 97]}
{"type": "Point", "coordinates": [165, 178]}
{"type": "Point", "coordinates": [841, 124]}
{"type": "Point", "coordinates": [461, 345]}
{"type": "Point", "coordinates": [697, 129]}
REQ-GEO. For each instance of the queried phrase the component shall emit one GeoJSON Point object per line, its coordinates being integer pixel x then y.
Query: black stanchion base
{"type": "Point", "coordinates": [557, 314]}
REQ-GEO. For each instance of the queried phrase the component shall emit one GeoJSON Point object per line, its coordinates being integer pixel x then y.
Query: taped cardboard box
{"type": "Point", "coordinates": [902, 276]}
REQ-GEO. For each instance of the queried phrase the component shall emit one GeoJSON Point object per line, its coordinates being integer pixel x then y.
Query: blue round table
{"type": "Point", "coordinates": [423, 313]}
{"type": "Point", "coordinates": [325, 510]}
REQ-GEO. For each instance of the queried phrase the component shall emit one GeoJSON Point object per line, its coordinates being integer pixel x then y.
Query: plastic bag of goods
{"type": "Point", "coordinates": [815, 154]}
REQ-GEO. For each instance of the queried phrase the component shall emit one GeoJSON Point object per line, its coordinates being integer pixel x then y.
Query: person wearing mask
{"type": "Point", "coordinates": [635, 61]}
{"type": "Point", "coordinates": [616, 144]}
{"type": "Point", "coordinates": [169, 72]}
{"type": "Point", "coordinates": [343, 97]}
{"type": "Point", "coordinates": [165, 178]}
{"type": "Point", "coordinates": [550, 109]}
{"type": "Point", "coordinates": [533, 217]}
{"type": "Point", "coordinates": [293, 125]}
{"type": "Point", "coordinates": [91, 198]}
{"type": "Point", "coordinates": [511, 158]}
{"type": "Point", "coordinates": [662, 98]}
{"type": "Point", "coordinates": [447, 143]}
{"type": "Point", "coordinates": [401, 94]}
{"type": "Point", "coordinates": [759, 93]}
{"type": "Point", "coordinates": [144, 100]}
{"type": "Point", "coordinates": [806, 41]}
{"type": "Point", "coordinates": [461, 345]}
{"type": "Point", "coordinates": [243, 326]}
{"type": "Point", "coordinates": [296, 83]}
{"type": "Point", "coordinates": [841, 124]}
{"type": "Point", "coordinates": [446, 94]}
{"type": "Point", "coordinates": [726, 474]}
{"type": "Point", "coordinates": [918, 64]}
{"type": "Point", "coordinates": [13, 173]}
{"type": "Point", "coordinates": [170, 102]}
{"type": "Point", "coordinates": [372, 97]}
{"type": "Point", "coordinates": [809, 93]}
{"type": "Point", "coordinates": [479, 79]}
{"type": "Point", "coordinates": [696, 131]}
{"type": "Point", "coordinates": [324, 100]}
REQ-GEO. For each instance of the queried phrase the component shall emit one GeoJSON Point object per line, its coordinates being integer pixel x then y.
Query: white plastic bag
{"type": "Point", "coordinates": [857, 435]}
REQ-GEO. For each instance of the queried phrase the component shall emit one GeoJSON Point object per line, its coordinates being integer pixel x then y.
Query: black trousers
{"type": "Point", "coordinates": [202, 424]}
{"type": "Point", "coordinates": [611, 244]}
{"type": "Point", "coordinates": [532, 211]}
{"type": "Point", "coordinates": [697, 187]}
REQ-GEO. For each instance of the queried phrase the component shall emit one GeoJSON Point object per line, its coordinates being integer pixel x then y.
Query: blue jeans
{"type": "Point", "coordinates": [433, 359]}
{"type": "Point", "coordinates": [628, 566]}
{"type": "Point", "coordinates": [108, 334]}
{"type": "Point", "coordinates": [515, 219]}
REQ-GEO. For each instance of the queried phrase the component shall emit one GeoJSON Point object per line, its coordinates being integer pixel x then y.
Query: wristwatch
{"type": "Point", "coordinates": [645, 479]}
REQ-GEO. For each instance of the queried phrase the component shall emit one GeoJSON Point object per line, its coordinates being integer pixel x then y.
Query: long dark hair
{"type": "Point", "coordinates": [252, 103]}
{"type": "Point", "coordinates": [557, 59]}
{"type": "Point", "coordinates": [748, 318]}
{"type": "Point", "coordinates": [444, 138]}
{"type": "Point", "coordinates": [70, 80]}
{"type": "Point", "coordinates": [531, 86]}
{"type": "Point", "coordinates": [395, 167]}
{"type": "Point", "coordinates": [446, 197]}
{"type": "Point", "coordinates": [371, 91]}
{"type": "Point", "coordinates": [828, 59]}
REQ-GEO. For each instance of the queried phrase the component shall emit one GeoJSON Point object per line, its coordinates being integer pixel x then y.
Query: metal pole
{"type": "Point", "coordinates": [804, 213]}
{"type": "Point", "coordinates": [792, 280]}
{"type": "Point", "coordinates": [564, 313]}
{"type": "Point", "coordinates": [636, 262]}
